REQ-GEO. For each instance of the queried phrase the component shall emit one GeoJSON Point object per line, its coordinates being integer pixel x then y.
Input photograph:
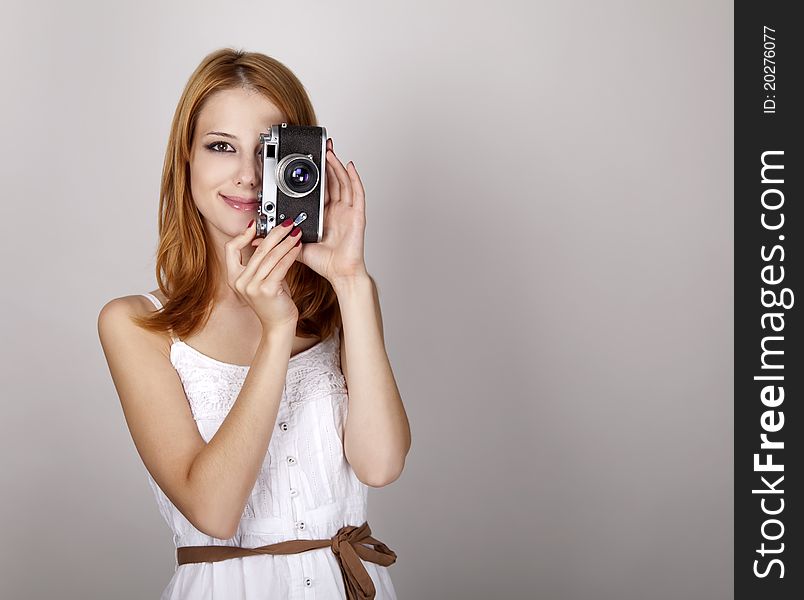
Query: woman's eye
{"type": "Point", "coordinates": [213, 146]}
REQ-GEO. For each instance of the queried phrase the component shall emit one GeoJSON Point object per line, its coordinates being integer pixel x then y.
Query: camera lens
{"type": "Point", "coordinates": [300, 175]}
{"type": "Point", "coordinates": [296, 175]}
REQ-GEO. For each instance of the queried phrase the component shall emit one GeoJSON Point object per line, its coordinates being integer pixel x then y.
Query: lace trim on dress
{"type": "Point", "coordinates": [312, 374]}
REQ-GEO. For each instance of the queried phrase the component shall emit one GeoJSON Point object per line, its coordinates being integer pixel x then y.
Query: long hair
{"type": "Point", "coordinates": [186, 266]}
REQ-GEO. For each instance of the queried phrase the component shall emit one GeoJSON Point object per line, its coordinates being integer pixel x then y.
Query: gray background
{"type": "Point", "coordinates": [550, 223]}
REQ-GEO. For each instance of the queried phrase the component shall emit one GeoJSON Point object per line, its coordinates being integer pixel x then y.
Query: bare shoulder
{"type": "Point", "coordinates": [116, 320]}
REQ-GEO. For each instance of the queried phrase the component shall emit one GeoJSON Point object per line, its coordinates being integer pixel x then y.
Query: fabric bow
{"type": "Point", "coordinates": [348, 547]}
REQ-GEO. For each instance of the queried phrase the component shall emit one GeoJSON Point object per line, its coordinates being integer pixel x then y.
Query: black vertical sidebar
{"type": "Point", "coordinates": [768, 334]}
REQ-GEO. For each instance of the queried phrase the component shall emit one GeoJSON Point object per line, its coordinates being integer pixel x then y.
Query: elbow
{"type": "Point", "coordinates": [216, 529]}
{"type": "Point", "coordinates": [380, 472]}
{"type": "Point", "coordinates": [211, 523]}
{"type": "Point", "coordinates": [208, 514]}
{"type": "Point", "coordinates": [381, 479]}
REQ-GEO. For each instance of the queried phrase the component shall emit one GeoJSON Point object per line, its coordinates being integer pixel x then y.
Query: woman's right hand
{"type": "Point", "coordinates": [261, 283]}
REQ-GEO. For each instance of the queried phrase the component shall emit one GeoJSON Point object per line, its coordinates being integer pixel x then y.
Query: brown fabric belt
{"type": "Point", "coordinates": [347, 545]}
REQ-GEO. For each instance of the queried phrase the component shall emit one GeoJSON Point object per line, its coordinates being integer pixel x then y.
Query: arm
{"type": "Point", "coordinates": [209, 483]}
{"type": "Point", "coordinates": [377, 432]}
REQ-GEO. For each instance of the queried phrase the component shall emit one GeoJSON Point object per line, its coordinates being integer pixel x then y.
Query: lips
{"type": "Point", "coordinates": [239, 203]}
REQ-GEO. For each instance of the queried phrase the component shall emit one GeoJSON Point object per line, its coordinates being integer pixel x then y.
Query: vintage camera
{"type": "Point", "coordinates": [293, 179]}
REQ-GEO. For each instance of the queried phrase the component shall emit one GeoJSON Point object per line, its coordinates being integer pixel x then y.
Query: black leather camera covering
{"type": "Point", "coordinates": [300, 139]}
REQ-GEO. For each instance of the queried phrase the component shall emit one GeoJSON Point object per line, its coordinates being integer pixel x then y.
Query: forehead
{"type": "Point", "coordinates": [238, 109]}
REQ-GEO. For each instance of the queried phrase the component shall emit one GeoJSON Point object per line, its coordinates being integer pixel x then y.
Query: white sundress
{"type": "Point", "coordinates": [306, 489]}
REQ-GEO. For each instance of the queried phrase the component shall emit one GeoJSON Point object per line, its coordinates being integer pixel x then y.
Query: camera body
{"type": "Point", "coordinates": [293, 179]}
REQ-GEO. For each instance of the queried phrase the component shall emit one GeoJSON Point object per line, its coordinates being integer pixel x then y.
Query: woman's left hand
{"type": "Point", "coordinates": [339, 254]}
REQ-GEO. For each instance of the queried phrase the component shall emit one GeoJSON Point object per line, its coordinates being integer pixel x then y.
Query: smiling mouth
{"type": "Point", "coordinates": [240, 203]}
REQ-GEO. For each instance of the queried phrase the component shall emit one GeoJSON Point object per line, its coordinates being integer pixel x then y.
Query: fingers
{"type": "Point", "coordinates": [333, 187]}
{"type": "Point", "coordinates": [281, 268]}
{"type": "Point", "coordinates": [232, 248]}
{"type": "Point", "coordinates": [359, 195]}
{"type": "Point", "coordinates": [326, 190]}
{"type": "Point", "coordinates": [268, 266]}
{"type": "Point", "coordinates": [329, 184]}
{"type": "Point", "coordinates": [328, 177]}
{"type": "Point", "coordinates": [285, 230]}
{"type": "Point", "coordinates": [266, 245]}
{"type": "Point", "coordinates": [344, 183]}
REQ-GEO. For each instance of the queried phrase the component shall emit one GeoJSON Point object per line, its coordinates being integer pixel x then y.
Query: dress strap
{"type": "Point", "coordinates": [155, 301]}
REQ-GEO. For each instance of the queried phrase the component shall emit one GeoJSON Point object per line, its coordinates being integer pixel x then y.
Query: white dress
{"type": "Point", "coordinates": [305, 490]}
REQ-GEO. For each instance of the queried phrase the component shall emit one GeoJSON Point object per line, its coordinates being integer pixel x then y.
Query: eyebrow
{"type": "Point", "coordinates": [228, 135]}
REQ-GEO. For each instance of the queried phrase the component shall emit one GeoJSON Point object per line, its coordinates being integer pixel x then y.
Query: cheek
{"type": "Point", "coordinates": [206, 177]}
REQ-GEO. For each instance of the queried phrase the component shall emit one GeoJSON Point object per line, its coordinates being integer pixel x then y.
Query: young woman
{"type": "Point", "coordinates": [236, 376]}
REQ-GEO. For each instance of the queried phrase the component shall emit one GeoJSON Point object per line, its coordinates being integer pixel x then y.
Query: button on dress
{"type": "Point", "coordinates": [306, 489]}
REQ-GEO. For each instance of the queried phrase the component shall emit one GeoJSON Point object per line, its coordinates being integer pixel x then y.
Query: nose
{"type": "Point", "coordinates": [250, 171]}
